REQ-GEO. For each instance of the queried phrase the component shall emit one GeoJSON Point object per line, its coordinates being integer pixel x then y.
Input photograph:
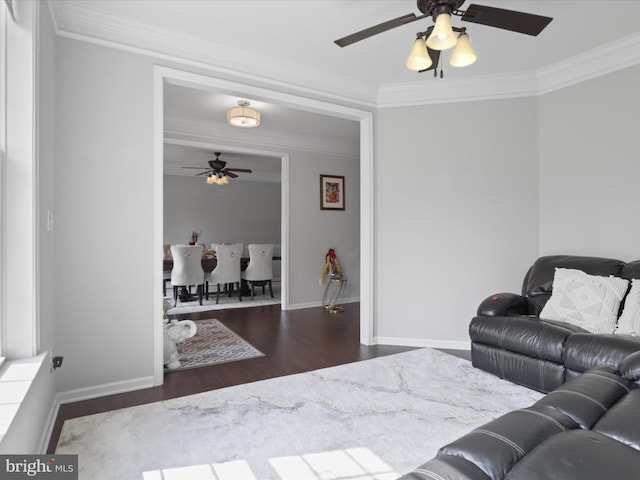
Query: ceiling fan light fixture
{"type": "Point", "coordinates": [419, 58]}
{"type": "Point", "coordinates": [463, 55]}
{"type": "Point", "coordinates": [442, 36]}
{"type": "Point", "coordinates": [243, 115]}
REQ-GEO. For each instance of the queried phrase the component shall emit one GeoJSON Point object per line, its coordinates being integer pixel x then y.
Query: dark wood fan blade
{"type": "Point", "coordinates": [230, 174]}
{"type": "Point", "coordinates": [204, 173]}
{"type": "Point", "coordinates": [246, 170]}
{"type": "Point", "coordinates": [371, 31]}
{"type": "Point", "coordinates": [519, 22]}
{"type": "Point", "coordinates": [195, 168]}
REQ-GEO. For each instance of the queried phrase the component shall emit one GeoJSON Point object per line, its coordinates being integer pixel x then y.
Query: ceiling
{"type": "Point", "coordinates": [290, 43]}
{"type": "Point", "coordinates": [297, 37]}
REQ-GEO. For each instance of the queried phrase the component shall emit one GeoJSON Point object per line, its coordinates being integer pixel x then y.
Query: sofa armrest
{"type": "Point", "coordinates": [629, 368]}
{"type": "Point", "coordinates": [503, 305]}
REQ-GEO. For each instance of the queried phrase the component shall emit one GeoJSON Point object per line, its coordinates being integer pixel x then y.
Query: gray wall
{"type": "Point", "coordinates": [457, 203]}
{"type": "Point", "coordinates": [239, 212]}
{"type": "Point", "coordinates": [590, 167]}
{"type": "Point", "coordinates": [319, 230]}
{"type": "Point", "coordinates": [104, 225]}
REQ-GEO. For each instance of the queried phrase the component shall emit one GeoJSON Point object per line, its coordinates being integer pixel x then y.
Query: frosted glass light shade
{"type": "Point", "coordinates": [419, 58]}
{"type": "Point", "coordinates": [243, 116]}
{"type": "Point", "coordinates": [442, 36]}
{"type": "Point", "coordinates": [463, 55]}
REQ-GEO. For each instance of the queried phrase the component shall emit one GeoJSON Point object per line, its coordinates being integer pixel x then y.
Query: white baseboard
{"type": "Point", "coordinates": [104, 390]}
{"type": "Point", "coordinates": [48, 427]}
{"type": "Point", "coordinates": [423, 342]}
{"type": "Point", "coordinates": [87, 394]}
{"type": "Point", "coordinates": [299, 306]}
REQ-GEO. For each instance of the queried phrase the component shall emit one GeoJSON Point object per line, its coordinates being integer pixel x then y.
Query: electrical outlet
{"type": "Point", "coordinates": [56, 362]}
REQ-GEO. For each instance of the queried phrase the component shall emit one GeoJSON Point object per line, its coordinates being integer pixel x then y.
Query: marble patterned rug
{"type": "Point", "coordinates": [375, 419]}
{"type": "Point", "coordinates": [213, 343]}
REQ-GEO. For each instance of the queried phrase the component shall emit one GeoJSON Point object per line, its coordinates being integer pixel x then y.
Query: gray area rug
{"type": "Point", "coordinates": [226, 302]}
{"type": "Point", "coordinates": [375, 419]}
{"type": "Point", "coordinates": [213, 343]}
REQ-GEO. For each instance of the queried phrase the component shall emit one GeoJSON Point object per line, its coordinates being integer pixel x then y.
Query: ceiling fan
{"type": "Point", "coordinates": [218, 172]}
{"type": "Point", "coordinates": [425, 54]}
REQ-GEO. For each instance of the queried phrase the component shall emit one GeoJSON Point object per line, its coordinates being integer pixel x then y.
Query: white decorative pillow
{"type": "Point", "coordinates": [588, 301]}
{"type": "Point", "coordinates": [629, 321]}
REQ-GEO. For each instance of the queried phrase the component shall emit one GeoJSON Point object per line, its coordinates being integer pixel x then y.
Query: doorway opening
{"type": "Point", "coordinates": [164, 76]}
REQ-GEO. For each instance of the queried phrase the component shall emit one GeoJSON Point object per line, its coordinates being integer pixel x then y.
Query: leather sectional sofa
{"type": "Point", "coordinates": [587, 429]}
{"type": "Point", "coordinates": [509, 339]}
{"type": "Point", "coordinates": [587, 426]}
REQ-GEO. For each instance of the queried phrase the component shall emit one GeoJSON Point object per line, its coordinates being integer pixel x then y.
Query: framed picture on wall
{"type": "Point", "coordinates": [331, 192]}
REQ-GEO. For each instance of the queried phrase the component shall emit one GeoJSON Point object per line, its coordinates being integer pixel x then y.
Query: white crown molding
{"type": "Point", "coordinates": [449, 90]}
{"type": "Point", "coordinates": [77, 21]}
{"type": "Point", "coordinates": [217, 132]}
{"type": "Point", "coordinates": [594, 63]}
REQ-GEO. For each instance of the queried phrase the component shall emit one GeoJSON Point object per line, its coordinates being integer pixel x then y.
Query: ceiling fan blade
{"type": "Point", "coordinates": [196, 168]}
{"type": "Point", "coordinates": [519, 22]}
{"type": "Point", "coordinates": [376, 29]}
{"type": "Point", "coordinates": [204, 173]}
{"type": "Point", "coordinates": [246, 170]}
{"type": "Point", "coordinates": [230, 174]}
{"type": "Point", "coordinates": [435, 58]}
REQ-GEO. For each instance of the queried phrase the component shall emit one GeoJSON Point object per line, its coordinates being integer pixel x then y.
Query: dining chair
{"type": "Point", "coordinates": [227, 271]}
{"type": "Point", "coordinates": [187, 269]}
{"type": "Point", "coordinates": [166, 274]}
{"type": "Point", "coordinates": [259, 271]}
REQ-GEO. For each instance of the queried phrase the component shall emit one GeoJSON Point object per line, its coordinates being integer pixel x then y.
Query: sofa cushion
{"type": "Point", "coordinates": [629, 321]}
{"type": "Point", "coordinates": [500, 444]}
{"type": "Point", "coordinates": [578, 455]}
{"type": "Point", "coordinates": [586, 398]}
{"type": "Point", "coordinates": [526, 335]}
{"type": "Point", "coordinates": [589, 301]}
{"type": "Point", "coordinates": [622, 422]}
{"type": "Point", "coordinates": [583, 351]}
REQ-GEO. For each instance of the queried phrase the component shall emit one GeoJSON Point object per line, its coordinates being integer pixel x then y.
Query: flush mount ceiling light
{"type": "Point", "coordinates": [425, 52]}
{"type": "Point", "coordinates": [243, 115]}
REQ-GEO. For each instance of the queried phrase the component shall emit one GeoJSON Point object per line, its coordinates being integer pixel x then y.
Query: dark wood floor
{"type": "Point", "coordinates": [293, 341]}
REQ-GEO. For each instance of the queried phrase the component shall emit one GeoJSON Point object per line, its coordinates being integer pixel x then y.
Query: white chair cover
{"type": "Point", "coordinates": [187, 269]}
{"type": "Point", "coordinates": [259, 272]}
{"type": "Point", "coordinates": [187, 265]}
{"type": "Point", "coordinates": [260, 267]}
{"type": "Point", "coordinates": [228, 264]}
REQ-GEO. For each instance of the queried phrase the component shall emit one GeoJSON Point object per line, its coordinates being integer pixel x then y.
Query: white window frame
{"type": "Point", "coordinates": [4, 11]}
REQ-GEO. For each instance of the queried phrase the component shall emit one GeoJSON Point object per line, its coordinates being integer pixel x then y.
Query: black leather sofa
{"type": "Point", "coordinates": [508, 338]}
{"type": "Point", "coordinates": [587, 429]}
